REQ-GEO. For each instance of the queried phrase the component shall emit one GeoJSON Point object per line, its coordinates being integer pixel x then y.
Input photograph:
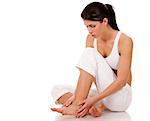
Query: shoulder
{"type": "Point", "coordinates": [125, 43]}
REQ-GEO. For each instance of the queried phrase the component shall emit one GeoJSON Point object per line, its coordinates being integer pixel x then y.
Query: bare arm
{"type": "Point", "coordinates": [124, 68]}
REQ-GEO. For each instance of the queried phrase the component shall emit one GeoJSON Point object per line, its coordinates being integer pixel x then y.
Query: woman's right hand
{"type": "Point", "coordinates": [69, 101]}
{"type": "Point", "coordinates": [89, 40]}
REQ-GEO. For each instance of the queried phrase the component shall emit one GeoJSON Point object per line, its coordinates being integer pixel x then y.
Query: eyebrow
{"type": "Point", "coordinates": [89, 24]}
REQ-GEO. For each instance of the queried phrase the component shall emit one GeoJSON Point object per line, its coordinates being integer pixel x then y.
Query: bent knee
{"type": "Point", "coordinates": [87, 75]}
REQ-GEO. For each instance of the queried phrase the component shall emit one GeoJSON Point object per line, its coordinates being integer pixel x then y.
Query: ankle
{"type": "Point", "coordinates": [76, 102]}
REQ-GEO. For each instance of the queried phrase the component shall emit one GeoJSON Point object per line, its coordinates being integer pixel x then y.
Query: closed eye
{"type": "Point", "coordinates": [92, 26]}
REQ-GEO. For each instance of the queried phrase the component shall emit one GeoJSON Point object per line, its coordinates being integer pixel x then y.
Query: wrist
{"type": "Point", "coordinates": [96, 98]}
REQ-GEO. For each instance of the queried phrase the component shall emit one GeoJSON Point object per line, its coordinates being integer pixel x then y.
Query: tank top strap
{"type": "Point", "coordinates": [117, 39]}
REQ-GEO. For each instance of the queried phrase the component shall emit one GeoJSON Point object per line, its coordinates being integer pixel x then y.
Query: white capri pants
{"type": "Point", "coordinates": [94, 63]}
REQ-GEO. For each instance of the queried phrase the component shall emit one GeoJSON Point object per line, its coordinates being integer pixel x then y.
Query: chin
{"type": "Point", "coordinates": [98, 36]}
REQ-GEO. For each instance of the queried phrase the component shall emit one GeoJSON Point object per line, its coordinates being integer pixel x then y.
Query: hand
{"type": "Point", "coordinates": [69, 101]}
{"type": "Point", "coordinates": [90, 37]}
{"type": "Point", "coordinates": [86, 105]}
{"type": "Point", "coordinates": [89, 40]}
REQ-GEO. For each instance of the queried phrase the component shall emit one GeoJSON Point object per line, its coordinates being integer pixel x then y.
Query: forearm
{"type": "Point", "coordinates": [112, 88]}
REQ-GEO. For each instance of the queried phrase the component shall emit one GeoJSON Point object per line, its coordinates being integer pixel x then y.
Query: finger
{"type": "Point", "coordinates": [83, 113]}
{"type": "Point", "coordinates": [82, 108]}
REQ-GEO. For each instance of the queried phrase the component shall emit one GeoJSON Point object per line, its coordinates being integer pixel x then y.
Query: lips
{"type": "Point", "coordinates": [93, 35]}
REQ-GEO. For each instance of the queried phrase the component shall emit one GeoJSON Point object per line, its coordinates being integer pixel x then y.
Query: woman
{"type": "Point", "coordinates": [106, 61]}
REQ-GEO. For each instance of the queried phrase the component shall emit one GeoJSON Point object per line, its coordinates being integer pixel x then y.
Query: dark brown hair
{"type": "Point", "coordinates": [97, 11]}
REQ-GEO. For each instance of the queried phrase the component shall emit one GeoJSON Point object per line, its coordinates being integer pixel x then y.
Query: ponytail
{"type": "Point", "coordinates": [112, 18]}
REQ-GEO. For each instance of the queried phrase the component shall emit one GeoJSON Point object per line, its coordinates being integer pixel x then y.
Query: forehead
{"type": "Point", "coordinates": [89, 22]}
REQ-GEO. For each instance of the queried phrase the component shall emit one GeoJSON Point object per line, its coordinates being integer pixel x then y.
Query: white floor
{"type": "Point", "coordinates": [107, 116]}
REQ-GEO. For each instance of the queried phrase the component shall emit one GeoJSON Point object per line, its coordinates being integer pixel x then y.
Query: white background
{"type": "Point", "coordinates": [40, 43]}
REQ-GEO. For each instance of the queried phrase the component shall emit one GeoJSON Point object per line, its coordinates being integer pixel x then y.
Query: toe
{"type": "Point", "coordinates": [59, 110]}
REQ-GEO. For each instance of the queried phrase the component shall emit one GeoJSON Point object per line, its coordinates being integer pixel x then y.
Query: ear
{"type": "Point", "coordinates": [105, 21]}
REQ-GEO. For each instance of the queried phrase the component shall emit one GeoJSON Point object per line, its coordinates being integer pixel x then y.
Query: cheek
{"type": "Point", "coordinates": [97, 30]}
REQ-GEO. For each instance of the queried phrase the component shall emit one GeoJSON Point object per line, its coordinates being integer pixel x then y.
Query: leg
{"type": "Point", "coordinates": [88, 70]}
{"type": "Point", "coordinates": [82, 90]}
{"type": "Point", "coordinates": [83, 86]}
{"type": "Point", "coordinates": [87, 66]}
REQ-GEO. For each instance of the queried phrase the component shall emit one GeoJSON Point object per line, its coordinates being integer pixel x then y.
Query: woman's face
{"type": "Point", "coordinates": [95, 28]}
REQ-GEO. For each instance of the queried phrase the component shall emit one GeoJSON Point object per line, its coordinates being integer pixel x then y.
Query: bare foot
{"type": "Point", "coordinates": [96, 112]}
{"type": "Point", "coordinates": [70, 110]}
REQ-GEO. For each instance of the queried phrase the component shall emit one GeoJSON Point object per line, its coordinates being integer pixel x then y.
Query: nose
{"type": "Point", "coordinates": [90, 30]}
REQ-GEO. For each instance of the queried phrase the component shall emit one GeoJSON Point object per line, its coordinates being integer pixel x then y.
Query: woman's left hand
{"type": "Point", "coordinates": [86, 105]}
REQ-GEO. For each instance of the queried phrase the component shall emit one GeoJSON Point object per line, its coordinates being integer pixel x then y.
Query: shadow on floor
{"type": "Point", "coordinates": [107, 116]}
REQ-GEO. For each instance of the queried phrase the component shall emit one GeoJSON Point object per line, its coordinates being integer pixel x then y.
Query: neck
{"type": "Point", "coordinates": [107, 35]}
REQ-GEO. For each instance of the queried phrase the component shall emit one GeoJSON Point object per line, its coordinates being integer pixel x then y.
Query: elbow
{"type": "Point", "coordinates": [122, 83]}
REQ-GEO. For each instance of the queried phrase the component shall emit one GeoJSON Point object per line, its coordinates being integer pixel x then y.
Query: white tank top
{"type": "Point", "coordinates": [113, 58]}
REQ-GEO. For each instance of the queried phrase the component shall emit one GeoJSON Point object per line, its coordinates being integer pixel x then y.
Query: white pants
{"type": "Point", "coordinates": [94, 63]}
